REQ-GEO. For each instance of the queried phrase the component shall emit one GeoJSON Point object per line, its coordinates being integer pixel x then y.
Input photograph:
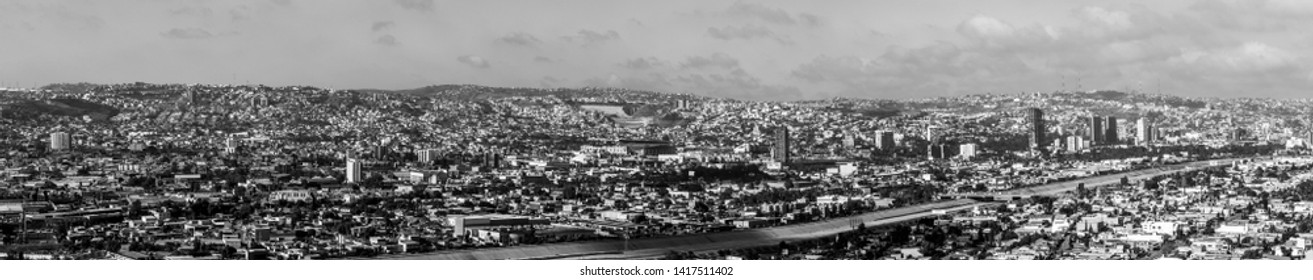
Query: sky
{"type": "Point", "coordinates": [751, 50]}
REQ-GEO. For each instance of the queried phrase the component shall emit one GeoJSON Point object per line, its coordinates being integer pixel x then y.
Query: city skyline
{"type": "Point", "coordinates": [466, 172]}
{"type": "Point", "coordinates": [583, 130]}
{"type": "Point", "coordinates": [770, 50]}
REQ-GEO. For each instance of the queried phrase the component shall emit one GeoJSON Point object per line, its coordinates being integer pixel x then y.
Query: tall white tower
{"type": "Point", "coordinates": [1143, 131]}
{"type": "Point", "coordinates": [60, 141]}
{"type": "Point", "coordinates": [353, 171]}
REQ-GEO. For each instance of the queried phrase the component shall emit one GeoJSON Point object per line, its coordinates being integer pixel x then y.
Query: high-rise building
{"type": "Point", "coordinates": [967, 150]}
{"type": "Point", "coordinates": [941, 151]}
{"type": "Point", "coordinates": [1076, 144]}
{"type": "Point", "coordinates": [1143, 131]}
{"type": "Point", "coordinates": [1096, 131]}
{"type": "Point", "coordinates": [380, 152]}
{"type": "Point", "coordinates": [682, 104]}
{"type": "Point", "coordinates": [1238, 134]}
{"type": "Point", "coordinates": [1110, 136]}
{"type": "Point", "coordinates": [930, 134]}
{"type": "Point", "coordinates": [848, 141]}
{"type": "Point", "coordinates": [1036, 128]}
{"type": "Point", "coordinates": [427, 156]}
{"type": "Point", "coordinates": [884, 140]}
{"type": "Point", "coordinates": [780, 150]}
{"type": "Point", "coordinates": [60, 141]}
{"type": "Point", "coordinates": [353, 174]}
{"type": "Point", "coordinates": [492, 160]}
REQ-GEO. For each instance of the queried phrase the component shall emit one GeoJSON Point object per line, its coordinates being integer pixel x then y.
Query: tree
{"type": "Point", "coordinates": [244, 211]}
{"type": "Point", "coordinates": [1252, 254]}
{"type": "Point", "coordinates": [570, 192]}
{"type": "Point", "coordinates": [134, 209]}
{"type": "Point", "coordinates": [373, 181]}
{"type": "Point", "coordinates": [200, 208]}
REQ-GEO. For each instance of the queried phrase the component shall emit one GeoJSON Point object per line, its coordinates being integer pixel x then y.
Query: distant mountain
{"type": "Point", "coordinates": [476, 92]}
{"type": "Point", "coordinates": [1117, 96]}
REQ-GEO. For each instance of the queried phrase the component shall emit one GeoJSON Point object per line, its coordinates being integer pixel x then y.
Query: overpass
{"type": "Point", "coordinates": [656, 247]}
{"type": "Point", "coordinates": [1058, 188]}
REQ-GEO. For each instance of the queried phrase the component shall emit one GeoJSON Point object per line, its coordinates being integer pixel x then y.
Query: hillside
{"type": "Point", "coordinates": [27, 109]}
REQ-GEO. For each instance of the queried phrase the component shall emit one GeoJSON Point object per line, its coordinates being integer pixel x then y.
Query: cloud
{"type": "Point", "coordinates": [386, 40]}
{"type": "Point", "coordinates": [1105, 48]}
{"type": "Point", "coordinates": [761, 12]}
{"type": "Point", "coordinates": [648, 81]}
{"type": "Point", "coordinates": [381, 25]}
{"type": "Point", "coordinates": [826, 68]}
{"type": "Point", "coordinates": [717, 60]}
{"type": "Point", "coordinates": [473, 61]}
{"type": "Point", "coordinates": [737, 83]}
{"type": "Point", "coordinates": [22, 25]}
{"type": "Point", "coordinates": [192, 11]}
{"type": "Point", "coordinates": [809, 19]}
{"type": "Point", "coordinates": [550, 82]}
{"type": "Point", "coordinates": [72, 18]}
{"type": "Point", "coordinates": [851, 76]}
{"type": "Point", "coordinates": [239, 13]}
{"type": "Point", "coordinates": [519, 39]}
{"type": "Point", "coordinates": [740, 32]}
{"type": "Point", "coordinates": [716, 74]}
{"type": "Point", "coordinates": [589, 37]}
{"type": "Point", "coordinates": [186, 33]}
{"type": "Point", "coordinates": [991, 32]}
{"type": "Point", "coordinates": [981, 26]}
{"type": "Point", "coordinates": [1248, 57]}
{"type": "Point", "coordinates": [642, 63]}
{"type": "Point", "coordinates": [938, 69]}
{"type": "Point", "coordinates": [1251, 68]}
{"type": "Point", "coordinates": [1271, 8]}
{"type": "Point", "coordinates": [1207, 46]}
{"type": "Point", "coordinates": [1110, 18]}
{"type": "Point", "coordinates": [1254, 16]}
{"type": "Point", "coordinates": [417, 5]}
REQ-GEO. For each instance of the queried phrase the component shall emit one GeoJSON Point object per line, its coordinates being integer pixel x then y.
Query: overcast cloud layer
{"type": "Point", "coordinates": [758, 50]}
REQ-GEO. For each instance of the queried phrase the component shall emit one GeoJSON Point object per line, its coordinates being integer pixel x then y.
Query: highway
{"type": "Point", "coordinates": [827, 229]}
{"type": "Point", "coordinates": [656, 247]}
{"type": "Point", "coordinates": [1102, 180]}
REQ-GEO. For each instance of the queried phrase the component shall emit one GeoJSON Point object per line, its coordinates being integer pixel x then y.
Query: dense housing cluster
{"type": "Point", "coordinates": [147, 171]}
